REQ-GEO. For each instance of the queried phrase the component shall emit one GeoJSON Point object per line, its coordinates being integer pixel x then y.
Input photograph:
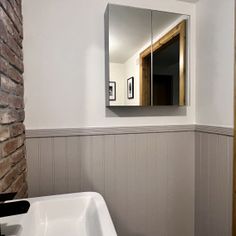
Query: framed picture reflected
{"type": "Point", "coordinates": [112, 91]}
{"type": "Point", "coordinates": [130, 88]}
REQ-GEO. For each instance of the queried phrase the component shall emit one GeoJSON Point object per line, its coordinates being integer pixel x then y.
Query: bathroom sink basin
{"type": "Point", "coordinates": [79, 214]}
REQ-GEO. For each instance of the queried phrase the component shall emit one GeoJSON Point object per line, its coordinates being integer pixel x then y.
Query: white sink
{"type": "Point", "coordinates": [79, 214]}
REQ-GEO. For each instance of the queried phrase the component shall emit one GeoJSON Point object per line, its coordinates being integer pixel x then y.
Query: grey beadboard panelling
{"type": "Point", "coordinates": [147, 179]}
{"type": "Point", "coordinates": [214, 163]}
{"type": "Point", "coordinates": [164, 180]}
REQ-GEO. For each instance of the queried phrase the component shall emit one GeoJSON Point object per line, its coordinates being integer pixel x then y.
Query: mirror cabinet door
{"type": "Point", "coordinates": [168, 60]}
{"type": "Point", "coordinates": [129, 34]}
{"type": "Point", "coordinates": [145, 57]}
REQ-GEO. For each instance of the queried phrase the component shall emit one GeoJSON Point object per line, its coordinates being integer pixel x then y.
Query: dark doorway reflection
{"type": "Point", "coordinates": [166, 73]}
{"type": "Point", "coordinates": [146, 81]}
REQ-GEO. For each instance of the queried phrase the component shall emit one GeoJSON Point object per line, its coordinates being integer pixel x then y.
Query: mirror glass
{"type": "Point", "coordinates": [129, 35]}
{"type": "Point", "coordinates": [145, 57]}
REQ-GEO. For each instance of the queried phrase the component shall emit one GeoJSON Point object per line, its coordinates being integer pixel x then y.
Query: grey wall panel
{"type": "Point", "coordinates": [97, 164]}
{"type": "Point", "coordinates": [60, 162]}
{"type": "Point", "coordinates": [141, 177]}
{"type": "Point", "coordinates": [46, 168]}
{"type": "Point", "coordinates": [86, 163]}
{"type": "Point", "coordinates": [214, 155]}
{"type": "Point", "coordinates": [147, 179]}
{"type": "Point", "coordinates": [74, 164]}
{"type": "Point", "coordinates": [33, 167]}
{"type": "Point", "coordinates": [180, 183]}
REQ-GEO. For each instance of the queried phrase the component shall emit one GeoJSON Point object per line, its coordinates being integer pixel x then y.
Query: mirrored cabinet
{"type": "Point", "coordinates": [146, 57]}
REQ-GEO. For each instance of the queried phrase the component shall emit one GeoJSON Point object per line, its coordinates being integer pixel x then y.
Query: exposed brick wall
{"type": "Point", "coordinates": [12, 130]}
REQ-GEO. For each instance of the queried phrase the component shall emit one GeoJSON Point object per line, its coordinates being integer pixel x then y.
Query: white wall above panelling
{"type": "Point", "coordinates": [64, 66]}
{"type": "Point", "coordinates": [215, 62]}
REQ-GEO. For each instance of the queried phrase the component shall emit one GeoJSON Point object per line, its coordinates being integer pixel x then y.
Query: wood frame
{"type": "Point", "coordinates": [180, 30]}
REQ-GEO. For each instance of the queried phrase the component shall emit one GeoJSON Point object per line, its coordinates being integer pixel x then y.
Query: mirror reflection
{"type": "Point", "coordinates": [129, 34]}
{"type": "Point", "coordinates": [146, 57]}
{"type": "Point", "coordinates": [166, 74]}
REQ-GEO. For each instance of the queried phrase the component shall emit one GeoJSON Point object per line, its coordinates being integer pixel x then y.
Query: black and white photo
{"type": "Point", "coordinates": [112, 91]}
{"type": "Point", "coordinates": [130, 88]}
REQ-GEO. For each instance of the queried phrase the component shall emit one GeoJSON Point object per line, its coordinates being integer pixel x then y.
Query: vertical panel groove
{"type": "Point", "coordinates": [80, 162]}
{"type": "Point", "coordinates": [53, 164]}
{"type": "Point", "coordinates": [39, 165]}
{"type": "Point", "coordinates": [66, 167]}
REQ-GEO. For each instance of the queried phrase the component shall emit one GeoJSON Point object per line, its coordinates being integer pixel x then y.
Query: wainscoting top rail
{"type": "Point", "coordinates": [107, 131]}
{"type": "Point", "coordinates": [215, 130]}
{"type": "Point", "coordinates": [40, 133]}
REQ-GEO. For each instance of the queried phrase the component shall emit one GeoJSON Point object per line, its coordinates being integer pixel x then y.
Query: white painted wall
{"type": "Point", "coordinates": [215, 62]}
{"type": "Point", "coordinates": [117, 74]}
{"type": "Point", "coordinates": [64, 66]}
{"type": "Point", "coordinates": [132, 70]}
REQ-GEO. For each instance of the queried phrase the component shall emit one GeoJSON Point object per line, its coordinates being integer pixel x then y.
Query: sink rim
{"type": "Point", "coordinates": [106, 224]}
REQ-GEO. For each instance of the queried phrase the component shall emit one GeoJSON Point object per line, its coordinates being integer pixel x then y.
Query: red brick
{"type": "Point", "coordinates": [8, 116]}
{"type": "Point", "coordinates": [8, 54]}
{"type": "Point", "coordinates": [18, 2]}
{"type": "Point", "coordinates": [3, 66]}
{"type": "Point", "coordinates": [7, 38]}
{"type": "Point", "coordinates": [17, 184]}
{"type": "Point", "coordinates": [3, 32]}
{"type": "Point", "coordinates": [21, 115]}
{"type": "Point", "coordinates": [12, 149]}
{"type": "Point", "coordinates": [17, 156]}
{"type": "Point", "coordinates": [8, 179]}
{"type": "Point", "coordinates": [10, 131]}
{"type": "Point", "coordinates": [21, 166]}
{"type": "Point", "coordinates": [15, 102]}
{"type": "Point", "coordinates": [4, 132]}
{"type": "Point", "coordinates": [14, 47]}
{"type": "Point", "coordinates": [17, 9]}
{"type": "Point", "coordinates": [8, 100]}
{"type": "Point", "coordinates": [19, 90]}
{"type": "Point", "coordinates": [10, 27]}
{"type": "Point", "coordinates": [9, 86]}
{"type": "Point", "coordinates": [10, 71]}
{"type": "Point", "coordinates": [22, 192]}
{"type": "Point", "coordinates": [3, 99]}
{"type": "Point", "coordinates": [10, 11]}
{"type": "Point", "coordinates": [16, 129]}
{"type": "Point", "coordinates": [11, 145]}
{"type": "Point", "coordinates": [15, 75]}
{"type": "Point", "coordinates": [5, 166]}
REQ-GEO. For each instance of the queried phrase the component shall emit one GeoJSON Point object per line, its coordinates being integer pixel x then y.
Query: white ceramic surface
{"type": "Point", "coordinates": [79, 214]}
